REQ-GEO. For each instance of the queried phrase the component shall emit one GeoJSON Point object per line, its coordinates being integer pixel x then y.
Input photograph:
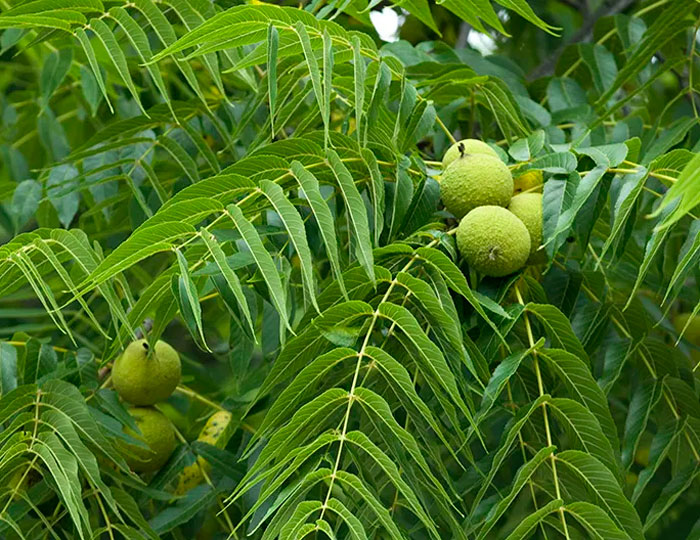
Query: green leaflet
{"type": "Point", "coordinates": [605, 488]}
{"type": "Point", "coordinates": [297, 235]}
{"type": "Point", "coordinates": [141, 244]}
{"type": "Point", "coordinates": [92, 59]}
{"type": "Point", "coordinates": [356, 211]}
{"type": "Point", "coordinates": [524, 474]}
{"type": "Point", "coordinates": [263, 260]}
{"type": "Point", "coordinates": [324, 219]}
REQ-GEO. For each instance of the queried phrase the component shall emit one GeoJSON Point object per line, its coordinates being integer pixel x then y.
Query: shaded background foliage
{"type": "Point", "coordinates": [260, 184]}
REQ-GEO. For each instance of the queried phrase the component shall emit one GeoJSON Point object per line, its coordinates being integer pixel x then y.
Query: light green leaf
{"type": "Point", "coordinates": [606, 491]}
{"type": "Point", "coordinates": [527, 148]}
{"type": "Point", "coordinates": [294, 355]}
{"type": "Point", "coordinates": [189, 298]}
{"type": "Point", "coordinates": [357, 531]}
{"type": "Point", "coordinates": [524, 474]}
{"type": "Point", "coordinates": [297, 234]}
{"type": "Point", "coordinates": [643, 401]}
{"type": "Point", "coordinates": [401, 443]}
{"type": "Point", "coordinates": [473, 10]}
{"type": "Point", "coordinates": [327, 84]}
{"type": "Point", "coordinates": [229, 275]}
{"type": "Point", "coordinates": [115, 53]}
{"type": "Point", "coordinates": [222, 187]}
{"type": "Point", "coordinates": [264, 261]}
{"type": "Point", "coordinates": [525, 527]}
{"type": "Point", "coordinates": [294, 527]}
{"type": "Point", "coordinates": [601, 64]}
{"type": "Point", "coordinates": [63, 468]}
{"type": "Point", "coordinates": [324, 218]}
{"type": "Point", "coordinates": [361, 440]}
{"type": "Point", "coordinates": [510, 432]}
{"type": "Point", "coordinates": [25, 201]}
{"type": "Point", "coordinates": [661, 445]}
{"type": "Point", "coordinates": [377, 190]}
{"type": "Point", "coordinates": [181, 157]}
{"type": "Point", "coordinates": [94, 64]}
{"type": "Point", "coordinates": [306, 421]}
{"type": "Point", "coordinates": [576, 375]}
{"type": "Point", "coordinates": [359, 491]}
{"type": "Point", "coordinates": [8, 368]}
{"type": "Point", "coordinates": [138, 246]}
{"type": "Point", "coordinates": [314, 71]}
{"type": "Point", "coordinates": [53, 72]}
{"type": "Point", "coordinates": [558, 329]}
{"type": "Point", "coordinates": [398, 377]}
{"type": "Point", "coordinates": [584, 188]}
{"type": "Point", "coordinates": [582, 426]}
{"type": "Point", "coordinates": [682, 481]}
{"type": "Point", "coordinates": [595, 521]}
{"type": "Point", "coordinates": [429, 359]}
{"type": "Point", "coordinates": [652, 247]}
{"type": "Point", "coordinates": [687, 258]}
{"type": "Point", "coordinates": [455, 279]}
{"type": "Point", "coordinates": [183, 510]}
{"type": "Point", "coordinates": [626, 199]}
{"type": "Point", "coordinates": [166, 34]}
{"type": "Point", "coordinates": [522, 8]}
{"type": "Point", "coordinates": [687, 189]}
{"type": "Point", "coordinates": [359, 73]}
{"type": "Point", "coordinates": [58, 21]}
{"type": "Point", "coordinates": [357, 213]}
{"type": "Point", "coordinates": [421, 10]}
{"type": "Point", "coordinates": [303, 386]}
{"type": "Point", "coordinates": [198, 140]}
{"type": "Point", "coordinates": [668, 23]}
{"type": "Point", "coordinates": [138, 38]}
{"type": "Point", "coordinates": [66, 205]}
{"type": "Point", "coordinates": [500, 377]}
{"type": "Point", "coordinates": [272, 45]}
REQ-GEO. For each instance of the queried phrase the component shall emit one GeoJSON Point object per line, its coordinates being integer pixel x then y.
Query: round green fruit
{"type": "Point", "coordinates": [157, 432]}
{"type": "Point", "coordinates": [143, 376]}
{"type": "Point", "coordinates": [475, 180]}
{"type": "Point", "coordinates": [530, 181]}
{"type": "Point", "coordinates": [493, 241]}
{"type": "Point", "coordinates": [528, 208]}
{"type": "Point", "coordinates": [465, 147]}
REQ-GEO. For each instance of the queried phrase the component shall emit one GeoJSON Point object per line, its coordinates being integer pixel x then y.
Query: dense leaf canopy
{"type": "Point", "coordinates": [258, 184]}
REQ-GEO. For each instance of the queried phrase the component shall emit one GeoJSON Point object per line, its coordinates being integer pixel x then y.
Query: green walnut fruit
{"type": "Point", "coordinates": [143, 376]}
{"type": "Point", "coordinates": [475, 180]}
{"type": "Point", "coordinates": [528, 208]}
{"type": "Point", "coordinates": [530, 181]}
{"type": "Point", "coordinates": [158, 434]}
{"type": "Point", "coordinates": [493, 241]}
{"type": "Point", "coordinates": [465, 147]}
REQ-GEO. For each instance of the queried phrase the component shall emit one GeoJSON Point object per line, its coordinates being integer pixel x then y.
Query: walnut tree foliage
{"type": "Point", "coordinates": [257, 184]}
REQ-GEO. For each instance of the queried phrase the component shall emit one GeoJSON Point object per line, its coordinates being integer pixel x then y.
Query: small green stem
{"type": "Point", "coordinates": [444, 128]}
{"type": "Point", "coordinates": [198, 397]}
